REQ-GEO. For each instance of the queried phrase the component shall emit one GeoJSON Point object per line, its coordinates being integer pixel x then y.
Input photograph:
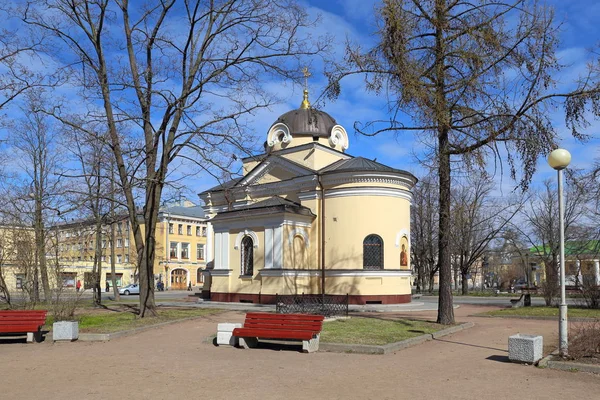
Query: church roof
{"type": "Point", "coordinates": [224, 185]}
{"type": "Point", "coordinates": [307, 122]}
{"type": "Point", "coordinates": [273, 204]}
{"type": "Point", "coordinates": [360, 164]}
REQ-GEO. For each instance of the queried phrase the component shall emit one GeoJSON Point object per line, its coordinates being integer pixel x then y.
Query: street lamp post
{"type": "Point", "coordinates": [559, 159]}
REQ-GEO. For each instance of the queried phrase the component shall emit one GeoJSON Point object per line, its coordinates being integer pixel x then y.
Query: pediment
{"type": "Point", "coordinates": [274, 169]}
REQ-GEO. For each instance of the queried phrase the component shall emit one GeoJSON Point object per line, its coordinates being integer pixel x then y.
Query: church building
{"type": "Point", "coordinates": [307, 217]}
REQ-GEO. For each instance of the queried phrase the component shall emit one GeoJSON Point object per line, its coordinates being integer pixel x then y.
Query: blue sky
{"type": "Point", "coordinates": [355, 19]}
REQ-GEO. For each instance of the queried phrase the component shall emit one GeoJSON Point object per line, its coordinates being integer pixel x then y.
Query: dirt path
{"type": "Point", "coordinates": [174, 362]}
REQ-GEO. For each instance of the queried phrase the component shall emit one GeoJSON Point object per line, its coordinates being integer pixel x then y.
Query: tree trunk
{"type": "Point", "coordinates": [445, 306]}
{"type": "Point", "coordinates": [148, 251]}
{"type": "Point", "coordinates": [40, 244]}
{"type": "Point", "coordinates": [97, 262]}
{"type": "Point", "coordinates": [465, 283]}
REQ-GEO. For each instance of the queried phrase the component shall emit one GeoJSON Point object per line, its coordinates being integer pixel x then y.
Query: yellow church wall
{"type": "Point", "coordinates": [238, 284]}
{"type": "Point", "coordinates": [249, 166]}
{"type": "Point", "coordinates": [322, 158]}
{"type": "Point", "coordinates": [348, 223]}
{"type": "Point", "coordinates": [302, 157]}
{"type": "Point", "coordinates": [306, 257]}
{"type": "Point", "coordinates": [340, 285]}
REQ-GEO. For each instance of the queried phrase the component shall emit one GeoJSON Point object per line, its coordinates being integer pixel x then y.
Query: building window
{"type": "Point", "coordinates": [203, 231]}
{"type": "Point", "coordinates": [119, 258]}
{"type": "Point", "coordinates": [189, 230]}
{"type": "Point", "coordinates": [199, 276]}
{"type": "Point", "coordinates": [126, 258]}
{"type": "Point", "coordinates": [373, 252]}
{"type": "Point", "coordinates": [119, 243]}
{"type": "Point", "coordinates": [126, 242]}
{"type": "Point", "coordinates": [185, 251]}
{"type": "Point", "coordinates": [170, 228]}
{"type": "Point", "coordinates": [119, 228]}
{"type": "Point", "coordinates": [198, 231]}
{"type": "Point", "coordinates": [247, 246]}
{"type": "Point", "coordinates": [173, 252]}
{"type": "Point", "coordinates": [68, 279]}
{"type": "Point", "coordinates": [20, 279]}
{"type": "Point", "coordinates": [200, 251]}
{"type": "Point", "coordinates": [180, 229]}
{"type": "Point", "coordinates": [104, 244]}
{"type": "Point", "coordinates": [103, 258]}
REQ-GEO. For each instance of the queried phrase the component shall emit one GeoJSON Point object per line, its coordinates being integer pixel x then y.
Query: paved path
{"type": "Point", "coordinates": [174, 362]}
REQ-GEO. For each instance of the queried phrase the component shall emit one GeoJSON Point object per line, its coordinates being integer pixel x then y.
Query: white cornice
{"type": "Point", "coordinates": [220, 272]}
{"type": "Point", "coordinates": [369, 191]}
{"type": "Point", "coordinates": [332, 178]}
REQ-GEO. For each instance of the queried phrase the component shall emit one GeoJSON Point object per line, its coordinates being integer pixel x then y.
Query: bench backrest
{"type": "Point", "coordinates": [23, 317]}
{"type": "Point", "coordinates": [295, 322]}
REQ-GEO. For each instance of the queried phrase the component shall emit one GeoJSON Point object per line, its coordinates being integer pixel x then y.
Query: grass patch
{"type": "Point", "coordinates": [544, 312]}
{"type": "Point", "coordinates": [108, 321]}
{"type": "Point", "coordinates": [360, 330]}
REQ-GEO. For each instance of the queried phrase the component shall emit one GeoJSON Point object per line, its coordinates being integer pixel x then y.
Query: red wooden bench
{"type": "Point", "coordinates": [304, 327]}
{"type": "Point", "coordinates": [22, 322]}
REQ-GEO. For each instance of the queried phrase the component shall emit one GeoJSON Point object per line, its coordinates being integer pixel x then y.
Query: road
{"type": "Point", "coordinates": [492, 301]}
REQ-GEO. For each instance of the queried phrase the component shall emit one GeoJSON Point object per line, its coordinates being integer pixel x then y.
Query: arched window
{"type": "Point", "coordinates": [373, 252]}
{"type": "Point", "coordinates": [199, 276]}
{"type": "Point", "coordinates": [247, 247]}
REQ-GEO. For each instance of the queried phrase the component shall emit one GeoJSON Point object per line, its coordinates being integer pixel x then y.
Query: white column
{"type": "Point", "coordinates": [278, 247]}
{"type": "Point", "coordinates": [209, 243]}
{"type": "Point", "coordinates": [268, 247]}
{"type": "Point", "coordinates": [597, 272]}
{"type": "Point", "coordinates": [218, 251]}
{"type": "Point", "coordinates": [225, 250]}
{"type": "Point", "coordinates": [579, 275]}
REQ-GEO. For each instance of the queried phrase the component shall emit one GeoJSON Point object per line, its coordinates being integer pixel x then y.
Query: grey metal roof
{"type": "Point", "coordinates": [273, 204]}
{"type": "Point", "coordinates": [193, 212]}
{"type": "Point", "coordinates": [224, 185]}
{"type": "Point", "coordinates": [360, 164]}
{"type": "Point", "coordinates": [308, 122]}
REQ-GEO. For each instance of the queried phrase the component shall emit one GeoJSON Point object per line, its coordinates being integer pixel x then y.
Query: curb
{"type": "Point", "coordinates": [573, 366]}
{"type": "Point", "coordinates": [391, 347]}
{"type": "Point", "coordinates": [539, 318]}
{"type": "Point", "coordinates": [105, 337]}
{"type": "Point", "coordinates": [568, 366]}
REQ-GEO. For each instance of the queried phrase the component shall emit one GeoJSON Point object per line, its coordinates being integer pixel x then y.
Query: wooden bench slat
{"type": "Point", "coordinates": [19, 328]}
{"type": "Point", "coordinates": [303, 317]}
{"type": "Point", "coordinates": [306, 327]}
{"type": "Point", "coordinates": [273, 334]}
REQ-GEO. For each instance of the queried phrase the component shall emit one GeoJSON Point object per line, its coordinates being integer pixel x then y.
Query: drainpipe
{"type": "Point", "coordinates": [322, 238]}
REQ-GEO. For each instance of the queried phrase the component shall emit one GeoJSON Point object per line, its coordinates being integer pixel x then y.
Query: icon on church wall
{"type": "Point", "coordinates": [403, 257]}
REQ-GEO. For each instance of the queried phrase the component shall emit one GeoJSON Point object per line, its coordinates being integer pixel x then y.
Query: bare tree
{"type": "Point", "coordinates": [477, 220]}
{"type": "Point", "coordinates": [175, 80]}
{"type": "Point", "coordinates": [468, 77]}
{"type": "Point", "coordinates": [423, 232]}
{"type": "Point", "coordinates": [541, 229]}
{"type": "Point", "coordinates": [33, 143]}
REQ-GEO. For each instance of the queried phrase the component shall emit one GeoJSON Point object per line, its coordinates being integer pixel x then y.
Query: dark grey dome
{"type": "Point", "coordinates": [307, 122]}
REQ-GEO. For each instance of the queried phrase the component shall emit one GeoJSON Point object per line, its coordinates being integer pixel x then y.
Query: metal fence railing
{"type": "Point", "coordinates": [327, 305]}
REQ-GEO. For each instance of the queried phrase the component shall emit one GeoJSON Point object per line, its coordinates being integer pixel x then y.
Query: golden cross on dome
{"type": "Point", "coordinates": [307, 74]}
{"type": "Point", "coordinates": [305, 103]}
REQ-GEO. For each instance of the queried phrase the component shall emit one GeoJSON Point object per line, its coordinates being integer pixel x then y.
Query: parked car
{"type": "Point", "coordinates": [133, 288]}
